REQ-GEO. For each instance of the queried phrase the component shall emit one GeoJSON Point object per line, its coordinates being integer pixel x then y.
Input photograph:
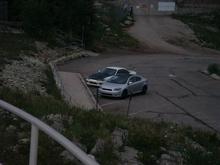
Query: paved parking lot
{"type": "Point", "coordinates": [178, 92]}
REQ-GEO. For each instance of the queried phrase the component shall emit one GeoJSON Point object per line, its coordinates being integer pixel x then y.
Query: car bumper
{"type": "Point", "coordinates": [109, 93]}
{"type": "Point", "coordinates": [91, 82]}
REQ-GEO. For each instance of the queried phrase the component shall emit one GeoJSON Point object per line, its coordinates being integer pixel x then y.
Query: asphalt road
{"type": "Point", "coordinates": [178, 92]}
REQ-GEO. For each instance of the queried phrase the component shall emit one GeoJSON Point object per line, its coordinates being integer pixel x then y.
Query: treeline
{"type": "Point", "coordinates": [49, 18]}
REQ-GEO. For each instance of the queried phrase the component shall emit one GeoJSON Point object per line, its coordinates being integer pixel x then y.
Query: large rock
{"type": "Point", "coordinates": [129, 156]}
{"type": "Point", "coordinates": [119, 137]}
{"type": "Point", "coordinates": [171, 158]}
{"type": "Point", "coordinates": [99, 146]}
{"type": "Point", "coordinates": [69, 158]}
{"type": "Point", "coordinates": [11, 129]}
{"type": "Point", "coordinates": [128, 22]}
{"type": "Point", "coordinates": [194, 145]}
{"type": "Point", "coordinates": [56, 121]}
{"type": "Point", "coordinates": [215, 76]}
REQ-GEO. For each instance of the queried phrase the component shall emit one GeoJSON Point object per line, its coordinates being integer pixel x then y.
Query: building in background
{"type": "Point", "coordinates": [155, 7]}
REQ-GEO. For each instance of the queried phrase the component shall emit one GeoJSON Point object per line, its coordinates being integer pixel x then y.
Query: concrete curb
{"type": "Point", "coordinates": [62, 60]}
{"type": "Point", "coordinates": [89, 91]}
{"type": "Point", "coordinates": [214, 76]}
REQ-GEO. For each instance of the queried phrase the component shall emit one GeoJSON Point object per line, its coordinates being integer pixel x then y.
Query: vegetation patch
{"type": "Point", "coordinates": [26, 74]}
{"type": "Point", "coordinates": [94, 25]}
{"type": "Point", "coordinates": [110, 31]}
{"type": "Point", "coordinates": [206, 27]}
{"type": "Point", "coordinates": [214, 69]}
{"type": "Point", "coordinates": [152, 140]}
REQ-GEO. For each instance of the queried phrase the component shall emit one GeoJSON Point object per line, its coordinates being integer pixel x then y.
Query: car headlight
{"type": "Point", "coordinates": [117, 89]}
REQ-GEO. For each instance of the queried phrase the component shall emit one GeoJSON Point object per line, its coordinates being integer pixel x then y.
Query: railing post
{"type": "Point", "coordinates": [33, 145]}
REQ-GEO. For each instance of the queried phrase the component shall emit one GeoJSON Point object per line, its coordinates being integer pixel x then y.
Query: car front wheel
{"type": "Point", "coordinates": [124, 94]}
{"type": "Point", "coordinates": [144, 90]}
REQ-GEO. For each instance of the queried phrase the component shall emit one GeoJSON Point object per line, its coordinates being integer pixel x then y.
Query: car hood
{"type": "Point", "coordinates": [98, 76]}
{"type": "Point", "coordinates": [109, 85]}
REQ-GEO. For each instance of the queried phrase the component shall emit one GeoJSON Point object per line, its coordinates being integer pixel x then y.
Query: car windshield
{"type": "Point", "coordinates": [120, 79]}
{"type": "Point", "coordinates": [109, 71]}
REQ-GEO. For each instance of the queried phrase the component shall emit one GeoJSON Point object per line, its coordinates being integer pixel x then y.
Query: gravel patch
{"type": "Point", "coordinates": [27, 75]}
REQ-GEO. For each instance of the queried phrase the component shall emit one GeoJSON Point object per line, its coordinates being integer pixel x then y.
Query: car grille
{"type": "Point", "coordinates": [106, 89]}
{"type": "Point", "coordinates": [106, 94]}
{"type": "Point", "coordinates": [93, 82]}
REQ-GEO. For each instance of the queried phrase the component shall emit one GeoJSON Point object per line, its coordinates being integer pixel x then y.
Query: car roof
{"type": "Point", "coordinates": [126, 76]}
{"type": "Point", "coordinates": [115, 67]}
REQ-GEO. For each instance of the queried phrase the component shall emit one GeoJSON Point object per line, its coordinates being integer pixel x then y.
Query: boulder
{"type": "Point", "coordinates": [194, 145]}
{"type": "Point", "coordinates": [128, 22]}
{"type": "Point", "coordinates": [11, 129]}
{"type": "Point", "coordinates": [129, 156]}
{"type": "Point", "coordinates": [215, 76]}
{"type": "Point", "coordinates": [56, 121]}
{"type": "Point", "coordinates": [119, 136]}
{"type": "Point", "coordinates": [98, 146]}
{"type": "Point", "coordinates": [171, 158]}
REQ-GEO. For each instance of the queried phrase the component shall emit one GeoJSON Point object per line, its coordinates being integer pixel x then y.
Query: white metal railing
{"type": "Point", "coordinates": [37, 125]}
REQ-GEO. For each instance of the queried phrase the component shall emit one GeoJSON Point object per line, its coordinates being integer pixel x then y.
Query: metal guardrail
{"type": "Point", "coordinates": [37, 125]}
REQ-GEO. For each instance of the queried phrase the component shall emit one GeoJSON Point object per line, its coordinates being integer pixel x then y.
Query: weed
{"type": "Point", "coordinates": [88, 126]}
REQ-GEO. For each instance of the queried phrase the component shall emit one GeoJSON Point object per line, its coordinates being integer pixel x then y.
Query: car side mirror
{"type": "Point", "coordinates": [130, 82]}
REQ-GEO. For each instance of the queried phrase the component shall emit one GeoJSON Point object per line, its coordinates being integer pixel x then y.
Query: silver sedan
{"type": "Point", "coordinates": [123, 85]}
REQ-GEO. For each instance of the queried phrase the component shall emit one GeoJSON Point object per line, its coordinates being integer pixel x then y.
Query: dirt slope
{"type": "Point", "coordinates": [158, 32]}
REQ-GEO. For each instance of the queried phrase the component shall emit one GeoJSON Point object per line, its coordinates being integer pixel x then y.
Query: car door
{"type": "Point", "coordinates": [139, 84]}
{"type": "Point", "coordinates": [134, 84]}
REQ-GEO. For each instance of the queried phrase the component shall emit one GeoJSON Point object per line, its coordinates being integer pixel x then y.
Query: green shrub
{"type": "Point", "coordinates": [34, 104]}
{"type": "Point", "coordinates": [214, 68]}
{"type": "Point", "coordinates": [147, 139]}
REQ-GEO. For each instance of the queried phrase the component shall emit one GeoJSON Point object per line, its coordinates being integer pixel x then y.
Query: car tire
{"type": "Point", "coordinates": [124, 94]}
{"type": "Point", "coordinates": [144, 90]}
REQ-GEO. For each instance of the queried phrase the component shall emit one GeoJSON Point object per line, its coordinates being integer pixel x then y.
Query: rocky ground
{"type": "Point", "coordinates": [27, 75]}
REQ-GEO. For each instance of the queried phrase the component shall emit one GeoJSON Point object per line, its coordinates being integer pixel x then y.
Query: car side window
{"type": "Point", "coordinates": [138, 78]}
{"type": "Point", "coordinates": [132, 80]}
{"type": "Point", "coordinates": [123, 71]}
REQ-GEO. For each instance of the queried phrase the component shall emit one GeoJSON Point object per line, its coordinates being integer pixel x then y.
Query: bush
{"type": "Point", "coordinates": [34, 104]}
{"type": "Point", "coordinates": [43, 19]}
{"type": "Point", "coordinates": [214, 69]}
